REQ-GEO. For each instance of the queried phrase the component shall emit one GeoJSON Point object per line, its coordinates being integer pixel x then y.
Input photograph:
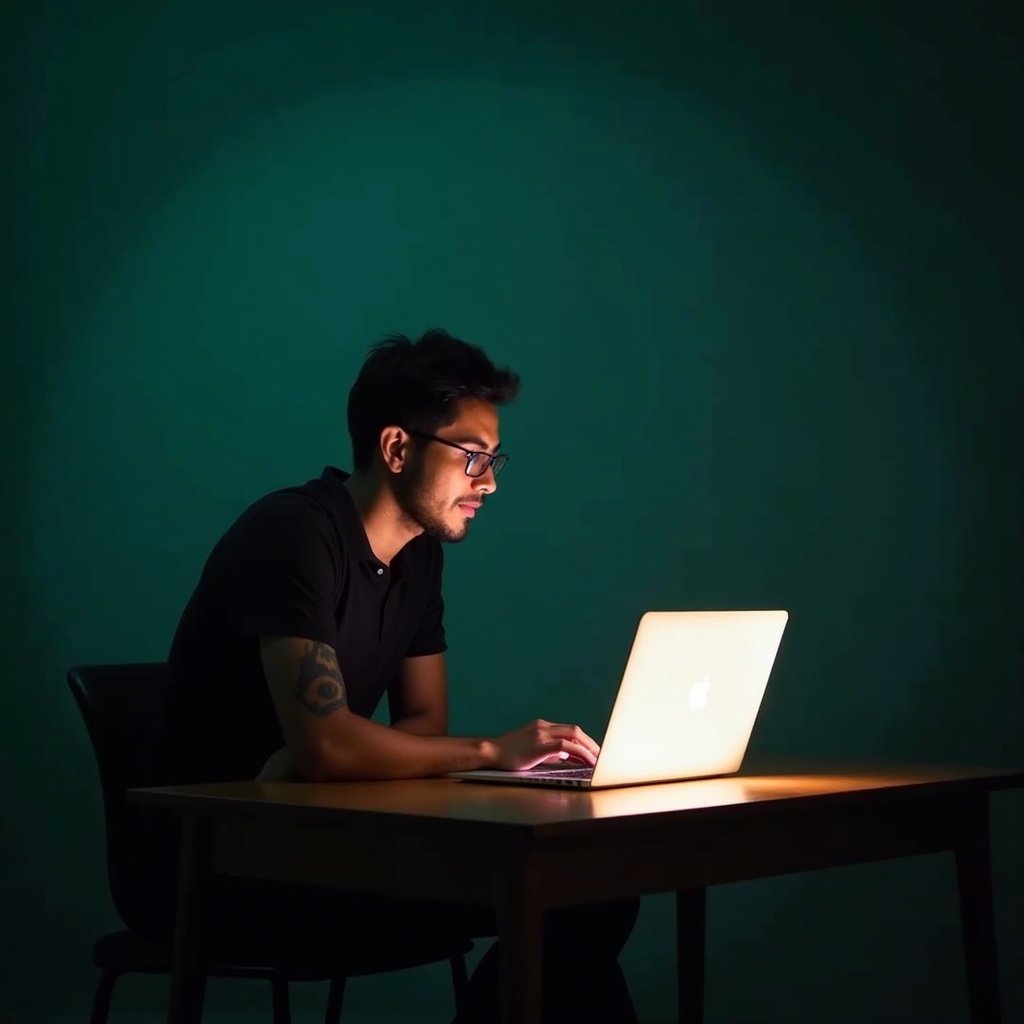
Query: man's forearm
{"type": "Point", "coordinates": [359, 748]}
{"type": "Point", "coordinates": [326, 740]}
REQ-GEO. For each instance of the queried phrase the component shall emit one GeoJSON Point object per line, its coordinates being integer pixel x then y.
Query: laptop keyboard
{"type": "Point", "coordinates": [563, 773]}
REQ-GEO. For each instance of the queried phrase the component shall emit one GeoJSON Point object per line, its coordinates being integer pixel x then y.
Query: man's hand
{"type": "Point", "coordinates": [541, 742]}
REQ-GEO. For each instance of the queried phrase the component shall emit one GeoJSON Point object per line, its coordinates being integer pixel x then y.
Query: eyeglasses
{"type": "Point", "coordinates": [477, 463]}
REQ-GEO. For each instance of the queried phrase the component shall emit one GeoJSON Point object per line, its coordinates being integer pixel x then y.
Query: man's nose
{"type": "Point", "coordinates": [486, 482]}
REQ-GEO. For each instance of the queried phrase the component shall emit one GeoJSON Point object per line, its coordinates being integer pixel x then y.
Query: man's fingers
{"type": "Point", "coordinates": [577, 735]}
{"type": "Point", "coordinates": [557, 747]}
{"type": "Point", "coordinates": [542, 742]}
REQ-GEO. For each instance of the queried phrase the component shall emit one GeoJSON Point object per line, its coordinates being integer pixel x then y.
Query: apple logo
{"type": "Point", "coordinates": [699, 693]}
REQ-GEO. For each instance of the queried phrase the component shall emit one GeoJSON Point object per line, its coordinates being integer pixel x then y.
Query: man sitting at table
{"type": "Point", "coordinates": [322, 598]}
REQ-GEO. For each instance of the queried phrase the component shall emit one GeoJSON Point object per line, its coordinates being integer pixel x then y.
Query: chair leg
{"type": "Point", "coordinates": [282, 1005]}
{"type": "Point", "coordinates": [460, 981]}
{"type": "Point", "coordinates": [332, 1015]}
{"type": "Point", "coordinates": [104, 993]}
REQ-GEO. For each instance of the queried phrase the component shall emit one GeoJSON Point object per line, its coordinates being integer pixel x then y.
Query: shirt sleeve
{"type": "Point", "coordinates": [285, 578]}
{"type": "Point", "coordinates": [429, 637]}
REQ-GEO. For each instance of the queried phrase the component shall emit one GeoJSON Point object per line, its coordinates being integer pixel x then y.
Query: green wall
{"type": "Point", "coordinates": [759, 267]}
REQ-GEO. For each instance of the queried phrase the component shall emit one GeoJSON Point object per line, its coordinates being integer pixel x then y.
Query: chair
{"type": "Point", "coordinates": [124, 707]}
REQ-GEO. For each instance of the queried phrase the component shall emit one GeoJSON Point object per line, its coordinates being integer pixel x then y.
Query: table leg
{"type": "Point", "coordinates": [521, 939]}
{"type": "Point", "coordinates": [185, 1004]}
{"type": "Point", "coordinates": [977, 918]}
{"type": "Point", "coordinates": [691, 919]}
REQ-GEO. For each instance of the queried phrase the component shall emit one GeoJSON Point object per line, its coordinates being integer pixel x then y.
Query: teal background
{"type": "Point", "coordinates": [759, 267]}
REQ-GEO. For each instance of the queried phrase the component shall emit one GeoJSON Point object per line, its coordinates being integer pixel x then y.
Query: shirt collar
{"type": "Point", "coordinates": [350, 523]}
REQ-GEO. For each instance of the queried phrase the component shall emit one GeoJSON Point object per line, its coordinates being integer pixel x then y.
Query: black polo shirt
{"type": "Point", "coordinates": [296, 563]}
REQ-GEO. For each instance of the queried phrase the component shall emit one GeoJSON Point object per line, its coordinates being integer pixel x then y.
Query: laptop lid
{"type": "Point", "coordinates": [686, 705]}
{"type": "Point", "coordinates": [690, 692]}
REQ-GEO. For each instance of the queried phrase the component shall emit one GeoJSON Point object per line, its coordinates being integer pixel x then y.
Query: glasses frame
{"type": "Point", "coordinates": [495, 463]}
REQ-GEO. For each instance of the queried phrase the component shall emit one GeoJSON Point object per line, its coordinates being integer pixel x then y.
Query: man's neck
{"type": "Point", "coordinates": [387, 529]}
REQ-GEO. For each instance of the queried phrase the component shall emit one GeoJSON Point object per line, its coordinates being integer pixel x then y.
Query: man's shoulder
{"type": "Point", "coordinates": [288, 518]}
{"type": "Point", "coordinates": [304, 501]}
{"type": "Point", "coordinates": [322, 498]}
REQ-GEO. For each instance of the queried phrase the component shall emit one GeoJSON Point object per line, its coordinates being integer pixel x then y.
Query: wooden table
{"type": "Point", "coordinates": [521, 850]}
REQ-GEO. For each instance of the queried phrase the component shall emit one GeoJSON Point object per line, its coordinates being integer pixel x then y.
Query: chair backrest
{"type": "Point", "coordinates": [125, 710]}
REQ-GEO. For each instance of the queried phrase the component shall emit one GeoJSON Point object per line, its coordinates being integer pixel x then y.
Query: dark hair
{"type": "Point", "coordinates": [417, 385]}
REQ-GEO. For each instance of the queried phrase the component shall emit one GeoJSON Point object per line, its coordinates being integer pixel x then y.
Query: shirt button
{"type": "Point", "coordinates": [380, 572]}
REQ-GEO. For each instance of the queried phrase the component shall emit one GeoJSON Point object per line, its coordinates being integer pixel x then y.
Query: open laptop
{"type": "Point", "coordinates": [686, 705]}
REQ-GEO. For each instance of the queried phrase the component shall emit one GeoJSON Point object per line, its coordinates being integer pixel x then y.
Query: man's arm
{"type": "Point", "coordinates": [418, 700]}
{"type": "Point", "coordinates": [325, 740]}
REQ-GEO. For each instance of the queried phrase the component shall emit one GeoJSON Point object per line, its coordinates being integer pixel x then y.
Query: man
{"type": "Point", "coordinates": [323, 598]}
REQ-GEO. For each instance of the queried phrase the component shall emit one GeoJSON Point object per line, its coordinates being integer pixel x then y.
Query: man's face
{"type": "Point", "coordinates": [434, 491]}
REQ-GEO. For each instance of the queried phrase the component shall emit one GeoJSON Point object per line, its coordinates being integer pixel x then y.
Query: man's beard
{"type": "Point", "coordinates": [412, 500]}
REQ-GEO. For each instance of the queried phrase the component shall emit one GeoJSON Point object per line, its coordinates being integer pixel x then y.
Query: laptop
{"type": "Point", "coordinates": [686, 705]}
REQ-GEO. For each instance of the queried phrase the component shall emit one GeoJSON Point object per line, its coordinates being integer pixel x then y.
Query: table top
{"type": "Point", "coordinates": [551, 811]}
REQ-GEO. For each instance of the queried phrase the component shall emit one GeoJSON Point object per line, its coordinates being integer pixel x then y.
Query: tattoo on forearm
{"type": "Point", "coordinates": [320, 686]}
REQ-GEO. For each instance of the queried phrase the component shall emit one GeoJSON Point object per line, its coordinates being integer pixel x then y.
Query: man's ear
{"type": "Point", "coordinates": [394, 448]}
